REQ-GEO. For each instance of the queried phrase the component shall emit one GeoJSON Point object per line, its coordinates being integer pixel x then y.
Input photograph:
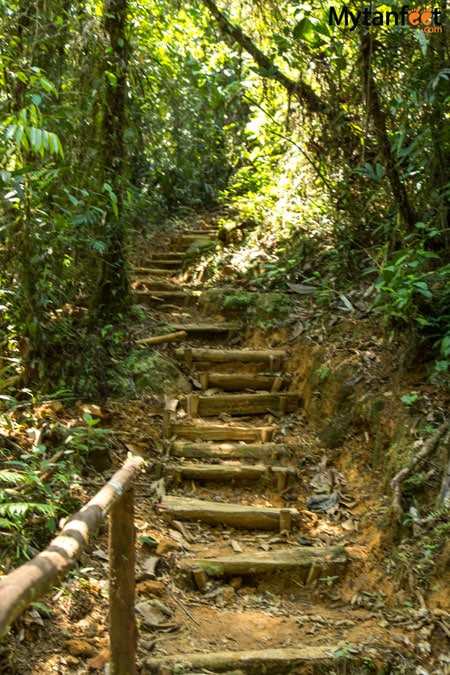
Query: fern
{"type": "Point", "coordinates": [21, 509]}
{"type": "Point", "coordinates": [6, 524]}
{"type": "Point", "coordinates": [14, 477]}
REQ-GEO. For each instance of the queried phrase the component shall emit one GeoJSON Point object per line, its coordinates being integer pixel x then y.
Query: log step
{"type": "Point", "coordinates": [300, 559]}
{"type": "Point", "coordinates": [232, 515]}
{"type": "Point", "coordinates": [165, 264]}
{"type": "Point", "coordinates": [237, 382]}
{"type": "Point", "coordinates": [151, 271]}
{"type": "Point", "coordinates": [257, 452]}
{"type": "Point", "coordinates": [200, 232]}
{"type": "Point", "coordinates": [174, 297]}
{"type": "Point", "coordinates": [188, 240]}
{"type": "Point", "coordinates": [196, 235]}
{"type": "Point", "coordinates": [154, 285]}
{"type": "Point", "coordinates": [220, 432]}
{"type": "Point", "coordinates": [241, 404]}
{"type": "Point", "coordinates": [232, 472]}
{"type": "Point", "coordinates": [206, 328]}
{"type": "Point", "coordinates": [283, 661]}
{"type": "Point", "coordinates": [272, 358]}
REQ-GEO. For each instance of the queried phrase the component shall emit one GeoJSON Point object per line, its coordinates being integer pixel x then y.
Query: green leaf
{"type": "Point", "coordinates": [445, 346]}
{"type": "Point", "coordinates": [14, 477]}
{"type": "Point", "coordinates": [302, 28]}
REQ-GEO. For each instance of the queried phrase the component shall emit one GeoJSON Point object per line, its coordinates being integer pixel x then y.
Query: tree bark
{"type": "Point", "coordinates": [378, 116]}
{"type": "Point", "coordinates": [113, 292]}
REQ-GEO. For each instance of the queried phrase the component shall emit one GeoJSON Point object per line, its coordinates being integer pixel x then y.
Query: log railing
{"type": "Point", "coordinates": [32, 580]}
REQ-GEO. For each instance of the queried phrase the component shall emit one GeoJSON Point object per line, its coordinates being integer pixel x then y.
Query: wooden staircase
{"type": "Point", "coordinates": [227, 433]}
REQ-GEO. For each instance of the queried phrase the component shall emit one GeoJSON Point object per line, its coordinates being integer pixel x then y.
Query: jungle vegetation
{"type": "Point", "coordinates": [324, 127]}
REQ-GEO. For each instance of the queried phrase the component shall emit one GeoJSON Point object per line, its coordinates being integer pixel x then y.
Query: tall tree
{"type": "Point", "coordinates": [112, 294]}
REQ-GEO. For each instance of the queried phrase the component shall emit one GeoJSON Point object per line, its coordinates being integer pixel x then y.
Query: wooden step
{"type": "Point", "coordinates": [165, 264]}
{"type": "Point", "coordinates": [232, 515]}
{"type": "Point", "coordinates": [272, 358]}
{"type": "Point", "coordinates": [234, 472]}
{"type": "Point", "coordinates": [241, 404]}
{"type": "Point", "coordinates": [196, 235]}
{"type": "Point", "coordinates": [205, 329]}
{"type": "Point", "coordinates": [151, 271]}
{"type": "Point", "coordinates": [187, 240]}
{"type": "Point", "coordinates": [154, 285]}
{"type": "Point", "coordinates": [237, 382]}
{"type": "Point", "coordinates": [219, 432]}
{"type": "Point", "coordinates": [199, 232]}
{"type": "Point", "coordinates": [175, 297]}
{"type": "Point", "coordinates": [299, 559]}
{"type": "Point", "coordinates": [257, 452]}
{"type": "Point", "coordinates": [324, 658]}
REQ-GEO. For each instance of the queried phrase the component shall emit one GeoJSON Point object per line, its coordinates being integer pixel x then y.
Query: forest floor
{"type": "Point", "coordinates": [377, 597]}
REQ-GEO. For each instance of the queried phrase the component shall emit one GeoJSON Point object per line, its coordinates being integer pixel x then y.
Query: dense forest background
{"type": "Point", "coordinates": [118, 116]}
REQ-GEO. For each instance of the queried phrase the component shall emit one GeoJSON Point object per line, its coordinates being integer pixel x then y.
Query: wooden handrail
{"type": "Point", "coordinates": [37, 576]}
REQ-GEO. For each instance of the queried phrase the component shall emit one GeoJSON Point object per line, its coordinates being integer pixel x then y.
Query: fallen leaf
{"type": "Point", "coordinates": [100, 554]}
{"type": "Point", "coordinates": [301, 289]}
{"type": "Point", "coordinates": [99, 661]}
{"type": "Point", "coordinates": [151, 615]}
{"type": "Point", "coordinates": [77, 647]}
{"type": "Point", "coordinates": [322, 502]}
{"type": "Point", "coordinates": [167, 546]}
{"type": "Point", "coordinates": [149, 565]}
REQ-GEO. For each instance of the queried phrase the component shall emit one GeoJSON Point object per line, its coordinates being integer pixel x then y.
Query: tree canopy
{"type": "Point", "coordinates": [317, 122]}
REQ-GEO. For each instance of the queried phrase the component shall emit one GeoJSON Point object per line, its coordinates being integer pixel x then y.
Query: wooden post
{"type": "Point", "coordinates": [285, 520]}
{"type": "Point", "coordinates": [122, 620]}
{"type": "Point", "coordinates": [200, 578]}
{"type": "Point", "coordinates": [192, 405]}
{"type": "Point", "coordinates": [277, 384]}
{"type": "Point", "coordinates": [167, 423]}
{"type": "Point", "coordinates": [204, 380]}
{"type": "Point", "coordinates": [281, 480]}
{"type": "Point", "coordinates": [188, 356]}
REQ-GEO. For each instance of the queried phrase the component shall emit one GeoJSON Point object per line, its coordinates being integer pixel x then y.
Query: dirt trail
{"type": "Point", "coordinates": [258, 551]}
{"type": "Point", "coordinates": [273, 564]}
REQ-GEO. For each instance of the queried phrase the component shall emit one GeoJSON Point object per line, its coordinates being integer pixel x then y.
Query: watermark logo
{"type": "Point", "coordinates": [427, 19]}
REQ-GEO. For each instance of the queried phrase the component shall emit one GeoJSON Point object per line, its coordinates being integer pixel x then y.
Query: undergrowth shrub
{"type": "Point", "coordinates": [413, 291]}
{"type": "Point", "coordinates": [40, 482]}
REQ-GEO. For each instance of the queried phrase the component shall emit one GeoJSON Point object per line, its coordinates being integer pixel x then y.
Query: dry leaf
{"type": "Point", "coordinates": [99, 661]}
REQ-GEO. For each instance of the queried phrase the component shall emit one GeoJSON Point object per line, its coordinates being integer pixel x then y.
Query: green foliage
{"type": "Point", "coordinates": [413, 289]}
{"type": "Point", "coordinates": [410, 399]}
{"type": "Point", "coordinates": [41, 484]}
{"type": "Point", "coordinates": [188, 117]}
{"type": "Point", "coordinates": [237, 300]}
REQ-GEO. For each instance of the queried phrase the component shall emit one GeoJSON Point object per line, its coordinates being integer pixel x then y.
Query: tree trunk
{"type": "Point", "coordinates": [378, 116]}
{"type": "Point", "coordinates": [113, 292]}
{"type": "Point", "coordinates": [298, 88]}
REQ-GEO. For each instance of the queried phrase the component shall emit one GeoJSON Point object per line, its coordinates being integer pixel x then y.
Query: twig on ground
{"type": "Point", "coordinates": [428, 447]}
